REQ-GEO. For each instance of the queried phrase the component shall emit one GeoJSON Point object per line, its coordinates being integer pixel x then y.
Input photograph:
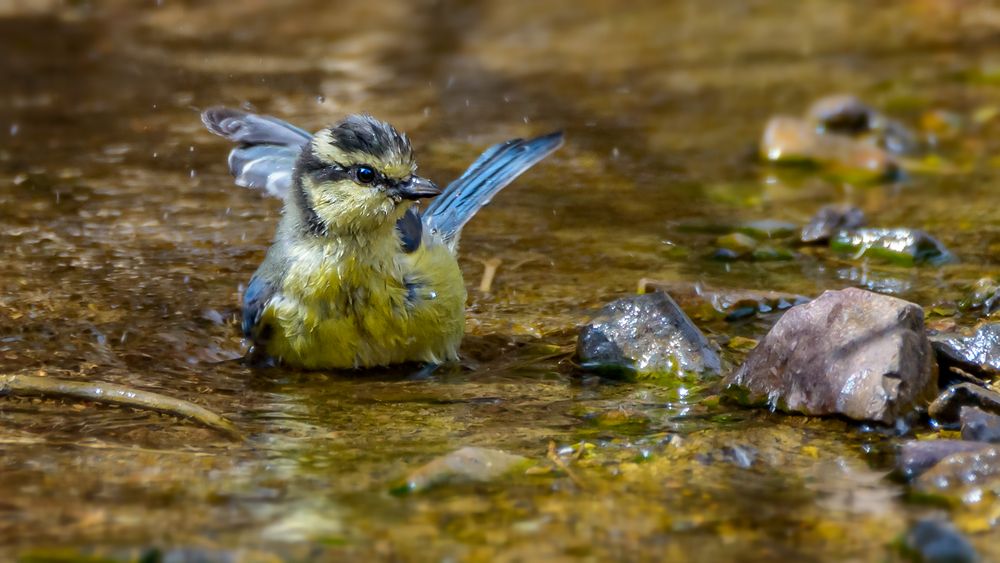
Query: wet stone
{"type": "Point", "coordinates": [850, 352]}
{"type": "Point", "coordinates": [829, 220]}
{"type": "Point", "coordinates": [978, 468]}
{"type": "Point", "coordinates": [947, 408]}
{"type": "Point", "coordinates": [645, 335]}
{"type": "Point", "coordinates": [983, 296]}
{"type": "Point", "coordinates": [735, 304]}
{"type": "Point", "coordinates": [900, 246]}
{"type": "Point", "coordinates": [795, 141]}
{"type": "Point", "coordinates": [917, 456]}
{"type": "Point", "coordinates": [977, 354]}
{"type": "Point", "coordinates": [934, 541]}
{"type": "Point", "coordinates": [979, 425]}
{"type": "Point", "coordinates": [735, 245]}
{"type": "Point", "coordinates": [845, 114]}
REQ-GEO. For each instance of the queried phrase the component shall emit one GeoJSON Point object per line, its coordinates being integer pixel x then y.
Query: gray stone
{"type": "Point", "coordinates": [947, 408]}
{"type": "Point", "coordinates": [850, 352]}
{"type": "Point", "coordinates": [979, 425]}
{"type": "Point", "coordinates": [645, 334]}
{"type": "Point", "coordinates": [829, 220]}
{"type": "Point", "coordinates": [933, 541]}
{"type": "Point", "coordinates": [917, 456]}
{"type": "Point", "coordinates": [978, 354]}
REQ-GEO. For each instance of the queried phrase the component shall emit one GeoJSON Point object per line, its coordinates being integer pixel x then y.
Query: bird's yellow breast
{"type": "Point", "coordinates": [345, 304]}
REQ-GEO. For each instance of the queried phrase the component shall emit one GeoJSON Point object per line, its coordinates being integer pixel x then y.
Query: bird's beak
{"type": "Point", "coordinates": [415, 188]}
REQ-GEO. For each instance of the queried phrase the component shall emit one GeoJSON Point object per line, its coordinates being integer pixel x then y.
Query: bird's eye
{"type": "Point", "coordinates": [365, 175]}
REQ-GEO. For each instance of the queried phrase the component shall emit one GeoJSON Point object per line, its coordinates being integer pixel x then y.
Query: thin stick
{"type": "Point", "coordinates": [553, 456]}
{"type": "Point", "coordinates": [489, 272]}
{"type": "Point", "coordinates": [111, 393]}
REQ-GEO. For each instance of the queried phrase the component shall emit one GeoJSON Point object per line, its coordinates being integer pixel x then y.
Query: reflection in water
{"type": "Point", "coordinates": [127, 244]}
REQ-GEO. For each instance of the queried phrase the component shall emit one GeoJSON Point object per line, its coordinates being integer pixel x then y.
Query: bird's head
{"type": "Point", "coordinates": [358, 176]}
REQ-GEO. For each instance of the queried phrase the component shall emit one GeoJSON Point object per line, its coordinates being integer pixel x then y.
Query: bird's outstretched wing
{"type": "Point", "coordinates": [496, 168]}
{"type": "Point", "coordinates": [267, 147]}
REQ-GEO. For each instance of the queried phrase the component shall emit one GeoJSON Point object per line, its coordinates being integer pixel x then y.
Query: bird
{"type": "Point", "coordinates": [357, 275]}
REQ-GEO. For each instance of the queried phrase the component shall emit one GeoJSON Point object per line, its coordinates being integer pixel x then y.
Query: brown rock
{"type": "Point", "coordinates": [850, 352]}
{"type": "Point", "coordinates": [947, 408]}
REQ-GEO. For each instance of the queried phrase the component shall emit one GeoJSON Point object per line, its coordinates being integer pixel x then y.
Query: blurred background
{"type": "Point", "coordinates": [127, 248]}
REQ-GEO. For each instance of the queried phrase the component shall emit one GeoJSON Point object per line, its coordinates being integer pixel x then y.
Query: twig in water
{"type": "Point", "coordinates": [111, 393]}
{"type": "Point", "coordinates": [489, 272]}
{"type": "Point", "coordinates": [553, 456]}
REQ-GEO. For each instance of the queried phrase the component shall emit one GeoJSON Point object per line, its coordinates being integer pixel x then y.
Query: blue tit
{"type": "Point", "coordinates": [357, 275]}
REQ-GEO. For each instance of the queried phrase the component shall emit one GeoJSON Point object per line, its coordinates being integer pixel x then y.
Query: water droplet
{"type": "Point", "coordinates": [320, 99]}
{"type": "Point", "coordinates": [14, 128]}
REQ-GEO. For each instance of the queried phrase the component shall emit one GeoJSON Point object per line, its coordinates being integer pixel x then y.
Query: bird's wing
{"type": "Point", "coordinates": [255, 300]}
{"type": "Point", "coordinates": [267, 147]}
{"type": "Point", "coordinates": [497, 167]}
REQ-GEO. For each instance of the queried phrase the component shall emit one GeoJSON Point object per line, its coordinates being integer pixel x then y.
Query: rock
{"type": "Point", "coordinates": [792, 140]}
{"type": "Point", "coordinates": [850, 352]}
{"type": "Point", "coordinates": [736, 245]}
{"type": "Point", "coordinates": [829, 220]}
{"type": "Point", "coordinates": [983, 295]}
{"type": "Point", "coordinates": [933, 541]}
{"type": "Point", "coordinates": [467, 464]}
{"type": "Point", "coordinates": [947, 408]}
{"type": "Point", "coordinates": [844, 114]}
{"type": "Point", "coordinates": [978, 354]}
{"type": "Point", "coordinates": [646, 335]}
{"type": "Point", "coordinates": [900, 246]}
{"type": "Point", "coordinates": [979, 425]}
{"type": "Point", "coordinates": [917, 456]}
{"type": "Point", "coordinates": [733, 303]}
{"type": "Point", "coordinates": [976, 468]}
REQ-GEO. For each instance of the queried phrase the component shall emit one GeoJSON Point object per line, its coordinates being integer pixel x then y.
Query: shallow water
{"type": "Point", "coordinates": [127, 247]}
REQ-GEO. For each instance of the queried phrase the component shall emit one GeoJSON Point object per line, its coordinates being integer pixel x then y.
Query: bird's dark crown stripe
{"type": "Point", "coordinates": [364, 135]}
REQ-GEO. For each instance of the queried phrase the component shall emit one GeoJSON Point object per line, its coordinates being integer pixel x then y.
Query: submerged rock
{"type": "Point", "coordinates": [850, 352]}
{"type": "Point", "coordinates": [792, 140]}
{"type": "Point", "coordinates": [979, 468]}
{"type": "Point", "coordinates": [829, 220]}
{"type": "Point", "coordinates": [947, 408]}
{"type": "Point", "coordinates": [734, 304]}
{"type": "Point", "coordinates": [933, 541]}
{"type": "Point", "coordinates": [645, 335]}
{"type": "Point", "coordinates": [984, 295]}
{"type": "Point", "coordinates": [467, 464]}
{"type": "Point", "coordinates": [739, 245]}
{"type": "Point", "coordinates": [900, 246]}
{"type": "Point", "coordinates": [979, 425]}
{"type": "Point", "coordinates": [917, 456]}
{"type": "Point", "coordinates": [978, 354]}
